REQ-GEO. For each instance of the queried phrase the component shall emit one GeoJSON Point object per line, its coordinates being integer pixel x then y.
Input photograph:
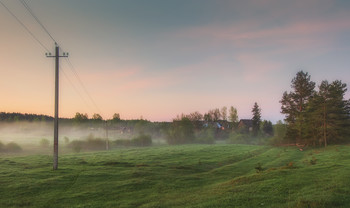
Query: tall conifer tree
{"type": "Point", "coordinates": [256, 118]}
{"type": "Point", "coordinates": [294, 106]}
{"type": "Point", "coordinates": [329, 114]}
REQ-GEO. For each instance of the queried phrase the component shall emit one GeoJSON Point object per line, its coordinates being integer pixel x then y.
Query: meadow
{"type": "Point", "coordinates": [220, 175]}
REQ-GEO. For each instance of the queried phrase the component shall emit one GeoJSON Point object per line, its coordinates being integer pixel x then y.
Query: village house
{"type": "Point", "coordinates": [245, 125]}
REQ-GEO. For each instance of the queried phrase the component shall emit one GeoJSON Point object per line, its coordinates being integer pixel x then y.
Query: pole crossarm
{"type": "Point", "coordinates": [49, 56]}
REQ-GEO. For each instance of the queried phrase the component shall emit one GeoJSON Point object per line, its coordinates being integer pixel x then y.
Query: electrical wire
{"type": "Point", "coordinates": [68, 60]}
{"type": "Point", "coordinates": [74, 87]}
{"type": "Point", "coordinates": [36, 18]}
{"type": "Point", "coordinates": [23, 25]}
{"type": "Point", "coordinates": [82, 84]}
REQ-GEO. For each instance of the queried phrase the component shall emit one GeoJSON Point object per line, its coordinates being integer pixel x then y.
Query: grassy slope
{"type": "Point", "coordinates": [180, 176]}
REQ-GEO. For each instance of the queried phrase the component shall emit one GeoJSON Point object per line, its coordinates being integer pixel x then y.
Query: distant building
{"type": "Point", "coordinates": [245, 125]}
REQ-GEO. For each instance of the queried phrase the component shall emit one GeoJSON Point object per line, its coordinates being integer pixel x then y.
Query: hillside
{"type": "Point", "coordinates": [180, 176]}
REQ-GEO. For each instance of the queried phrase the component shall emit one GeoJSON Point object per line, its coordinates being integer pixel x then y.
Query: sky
{"type": "Point", "coordinates": [156, 59]}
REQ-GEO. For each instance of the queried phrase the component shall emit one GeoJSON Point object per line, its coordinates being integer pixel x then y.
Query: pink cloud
{"type": "Point", "coordinates": [143, 80]}
{"type": "Point", "coordinates": [143, 84]}
{"type": "Point", "coordinates": [297, 35]}
{"type": "Point", "coordinates": [256, 67]}
{"type": "Point", "coordinates": [111, 74]}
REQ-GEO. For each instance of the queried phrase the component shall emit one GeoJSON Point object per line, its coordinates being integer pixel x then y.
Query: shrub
{"type": "Point", "coordinates": [95, 144]}
{"type": "Point", "coordinates": [280, 130]}
{"type": "Point", "coordinates": [76, 145]}
{"type": "Point", "coordinates": [181, 132]}
{"type": "Point", "coordinates": [44, 143]}
{"type": "Point", "coordinates": [90, 144]}
{"type": "Point", "coordinates": [122, 142]}
{"type": "Point", "coordinates": [66, 140]}
{"type": "Point", "coordinates": [13, 147]}
{"type": "Point", "coordinates": [142, 140]}
{"type": "Point", "coordinates": [259, 168]}
{"type": "Point", "coordinates": [206, 136]}
{"type": "Point", "coordinates": [2, 147]}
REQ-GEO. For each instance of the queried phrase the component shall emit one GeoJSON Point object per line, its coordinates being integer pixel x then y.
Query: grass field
{"type": "Point", "coordinates": [180, 176]}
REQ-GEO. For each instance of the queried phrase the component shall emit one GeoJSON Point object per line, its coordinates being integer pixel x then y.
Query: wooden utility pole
{"type": "Point", "coordinates": [107, 141]}
{"type": "Point", "coordinates": [55, 139]}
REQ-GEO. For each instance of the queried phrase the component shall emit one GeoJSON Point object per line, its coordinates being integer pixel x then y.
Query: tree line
{"type": "Point", "coordinates": [79, 117]}
{"type": "Point", "coordinates": [23, 117]}
{"type": "Point", "coordinates": [215, 124]}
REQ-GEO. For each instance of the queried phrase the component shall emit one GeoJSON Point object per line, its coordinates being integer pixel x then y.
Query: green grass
{"type": "Point", "coordinates": [180, 176]}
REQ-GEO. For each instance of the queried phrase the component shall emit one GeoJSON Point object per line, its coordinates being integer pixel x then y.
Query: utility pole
{"type": "Point", "coordinates": [107, 141]}
{"type": "Point", "coordinates": [55, 139]}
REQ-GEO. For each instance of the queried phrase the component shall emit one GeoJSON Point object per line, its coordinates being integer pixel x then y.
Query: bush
{"type": "Point", "coordinates": [95, 144]}
{"type": "Point", "coordinates": [238, 139]}
{"type": "Point", "coordinates": [181, 132]}
{"type": "Point", "coordinates": [259, 168]}
{"type": "Point", "coordinates": [142, 140]}
{"type": "Point", "coordinates": [206, 136]}
{"type": "Point", "coordinates": [122, 142]}
{"type": "Point", "coordinates": [2, 147]}
{"type": "Point", "coordinates": [44, 143]}
{"type": "Point", "coordinates": [90, 143]}
{"type": "Point", "coordinates": [280, 130]}
{"type": "Point", "coordinates": [13, 147]}
{"type": "Point", "coordinates": [66, 140]}
{"type": "Point", "coordinates": [76, 145]}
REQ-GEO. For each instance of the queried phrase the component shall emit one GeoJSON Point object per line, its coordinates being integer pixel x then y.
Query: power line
{"type": "Point", "coordinates": [49, 34]}
{"type": "Point", "coordinates": [23, 25]}
{"type": "Point", "coordinates": [36, 19]}
{"type": "Point", "coordinates": [82, 84]}
{"type": "Point", "coordinates": [72, 68]}
{"type": "Point", "coordinates": [24, 3]}
{"type": "Point", "coordinates": [75, 88]}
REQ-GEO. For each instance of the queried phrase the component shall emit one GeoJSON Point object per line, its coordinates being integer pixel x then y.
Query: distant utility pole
{"type": "Point", "coordinates": [107, 141]}
{"type": "Point", "coordinates": [55, 139]}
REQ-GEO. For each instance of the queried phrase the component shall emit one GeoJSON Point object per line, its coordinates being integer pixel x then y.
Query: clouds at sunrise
{"type": "Point", "coordinates": [162, 58]}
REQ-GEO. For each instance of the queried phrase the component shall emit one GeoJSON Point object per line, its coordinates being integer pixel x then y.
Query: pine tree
{"type": "Point", "coordinates": [316, 115]}
{"type": "Point", "coordinates": [336, 123]}
{"type": "Point", "coordinates": [256, 118]}
{"type": "Point", "coordinates": [328, 114]}
{"type": "Point", "coordinates": [294, 105]}
{"type": "Point", "coordinates": [289, 108]}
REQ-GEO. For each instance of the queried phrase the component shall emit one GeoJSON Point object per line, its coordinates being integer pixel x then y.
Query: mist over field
{"type": "Point", "coordinates": [25, 133]}
{"type": "Point", "coordinates": [30, 136]}
{"type": "Point", "coordinates": [30, 133]}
